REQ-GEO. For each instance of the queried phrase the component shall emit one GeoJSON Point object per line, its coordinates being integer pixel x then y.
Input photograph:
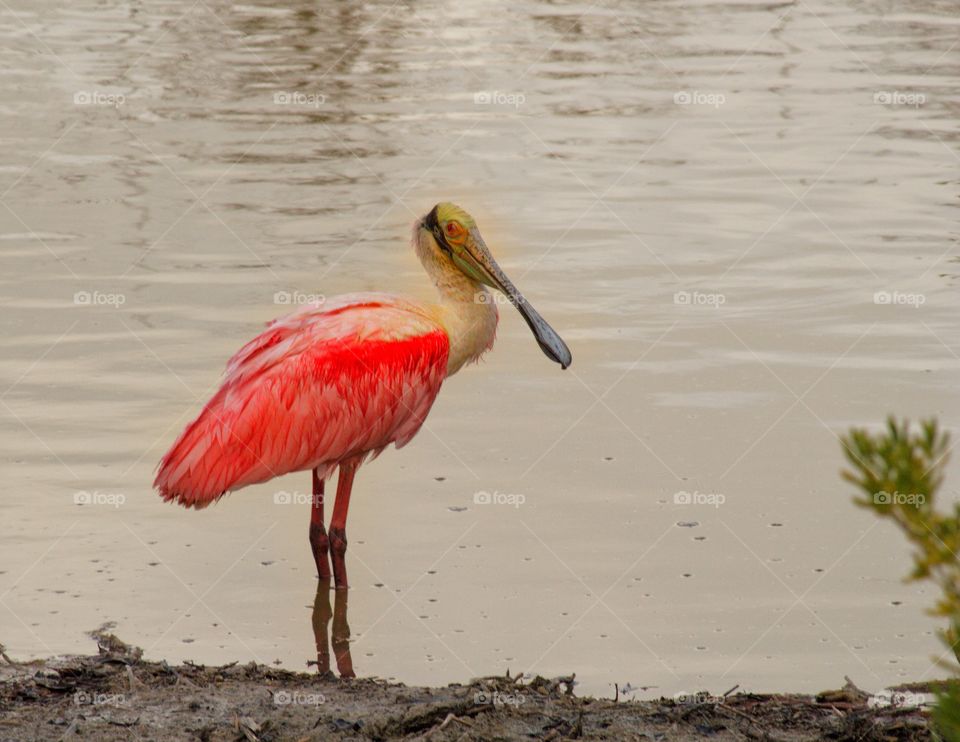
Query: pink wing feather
{"type": "Point", "coordinates": [325, 383]}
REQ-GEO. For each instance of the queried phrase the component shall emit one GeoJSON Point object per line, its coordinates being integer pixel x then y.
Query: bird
{"type": "Point", "coordinates": [335, 382]}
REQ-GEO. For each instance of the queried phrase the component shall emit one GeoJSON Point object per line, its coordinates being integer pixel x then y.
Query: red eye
{"type": "Point", "coordinates": [453, 228]}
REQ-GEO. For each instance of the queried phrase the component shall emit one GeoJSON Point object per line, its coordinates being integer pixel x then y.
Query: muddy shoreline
{"type": "Point", "coordinates": [116, 695]}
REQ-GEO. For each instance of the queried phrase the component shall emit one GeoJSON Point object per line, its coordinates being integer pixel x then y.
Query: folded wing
{"type": "Point", "coordinates": [320, 385]}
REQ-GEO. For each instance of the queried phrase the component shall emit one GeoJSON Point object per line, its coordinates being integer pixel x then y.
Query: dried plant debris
{"type": "Point", "coordinates": [117, 695]}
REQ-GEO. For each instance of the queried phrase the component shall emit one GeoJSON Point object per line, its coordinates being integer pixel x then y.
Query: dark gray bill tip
{"type": "Point", "coordinates": [549, 341]}
{"type": "Point", "coordinates": [559, 353]}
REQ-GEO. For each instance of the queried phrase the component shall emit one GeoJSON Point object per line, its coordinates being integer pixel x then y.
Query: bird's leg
{"type": "Point", "coordinates": [320, 620]}
{"type": "Point", "coordinates": [318, 536]}
{"type": "Point", "coordinates": [341, 636]}
{"type": "Point", "coordinates": [338, 522]}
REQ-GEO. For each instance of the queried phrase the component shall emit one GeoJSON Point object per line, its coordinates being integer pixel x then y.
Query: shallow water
{"type": "Point", "coordinates": [703, 197]}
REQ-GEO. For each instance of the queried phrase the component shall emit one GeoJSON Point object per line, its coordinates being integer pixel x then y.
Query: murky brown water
{"type": "Point", "coordinates": [703, 197]}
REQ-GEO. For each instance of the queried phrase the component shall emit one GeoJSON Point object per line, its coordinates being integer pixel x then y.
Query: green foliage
{"type": "Point", "coordinates": [899, 472]}
{"type": "Point", "coordinates": [947, 714]}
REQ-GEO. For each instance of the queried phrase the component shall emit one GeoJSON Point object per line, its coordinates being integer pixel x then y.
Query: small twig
{"type": "Point", "coordinates": [73, 727]}
{"type": "Point", "coordinates": [476, 710]}
{"type": "Point", "coordinates": [247, 727]}
{"type": "Point", "coordinates": [451, 717]}
{"type": "Point", "coordinates": [3, 654]}
{"type": "Point", "coordinates": [131, 678]}
{"type": "Point", "coordinates": [853, 686]}
{"type": "Point", "coordinates": [118, 723]}
{"type": "Point", "coordinates": [442, 725]}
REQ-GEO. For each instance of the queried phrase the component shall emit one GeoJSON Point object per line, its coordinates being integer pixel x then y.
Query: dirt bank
{"type": "Point", "coordinates": [116, 695]}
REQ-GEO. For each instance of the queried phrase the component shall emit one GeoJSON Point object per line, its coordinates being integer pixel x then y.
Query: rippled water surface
{"type": "Point", "coordinates": [740, 215]}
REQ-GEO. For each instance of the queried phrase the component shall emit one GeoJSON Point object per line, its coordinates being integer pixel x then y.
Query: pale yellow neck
{"type": "Point", "coordinates": [467, 311]}
{"type": "Point", "coordinates": [471, 325]}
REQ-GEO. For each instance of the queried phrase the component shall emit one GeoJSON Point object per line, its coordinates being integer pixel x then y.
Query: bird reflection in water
{"type": "Point", "coordinates": [337, 638]}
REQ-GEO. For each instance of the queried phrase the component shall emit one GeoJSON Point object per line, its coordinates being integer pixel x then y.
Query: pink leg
{"type": "Point", "coordinates": [338, 523]}
{"type": "Point", "coordinates": [318, 536]}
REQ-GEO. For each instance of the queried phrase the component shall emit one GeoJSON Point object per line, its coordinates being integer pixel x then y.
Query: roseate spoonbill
{"type": "Point", "coordinates": [336, 382]}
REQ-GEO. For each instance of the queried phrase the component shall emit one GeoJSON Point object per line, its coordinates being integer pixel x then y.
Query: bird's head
{"type": "Point", "coordinates": [450, 238]}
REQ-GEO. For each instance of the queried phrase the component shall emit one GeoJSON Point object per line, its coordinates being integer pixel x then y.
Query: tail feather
{"type": "Point", "coordinates": [202, 465]}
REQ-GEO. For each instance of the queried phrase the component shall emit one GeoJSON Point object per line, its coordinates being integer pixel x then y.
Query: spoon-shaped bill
{"type": "Point", "coordinates": [475, 260]}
